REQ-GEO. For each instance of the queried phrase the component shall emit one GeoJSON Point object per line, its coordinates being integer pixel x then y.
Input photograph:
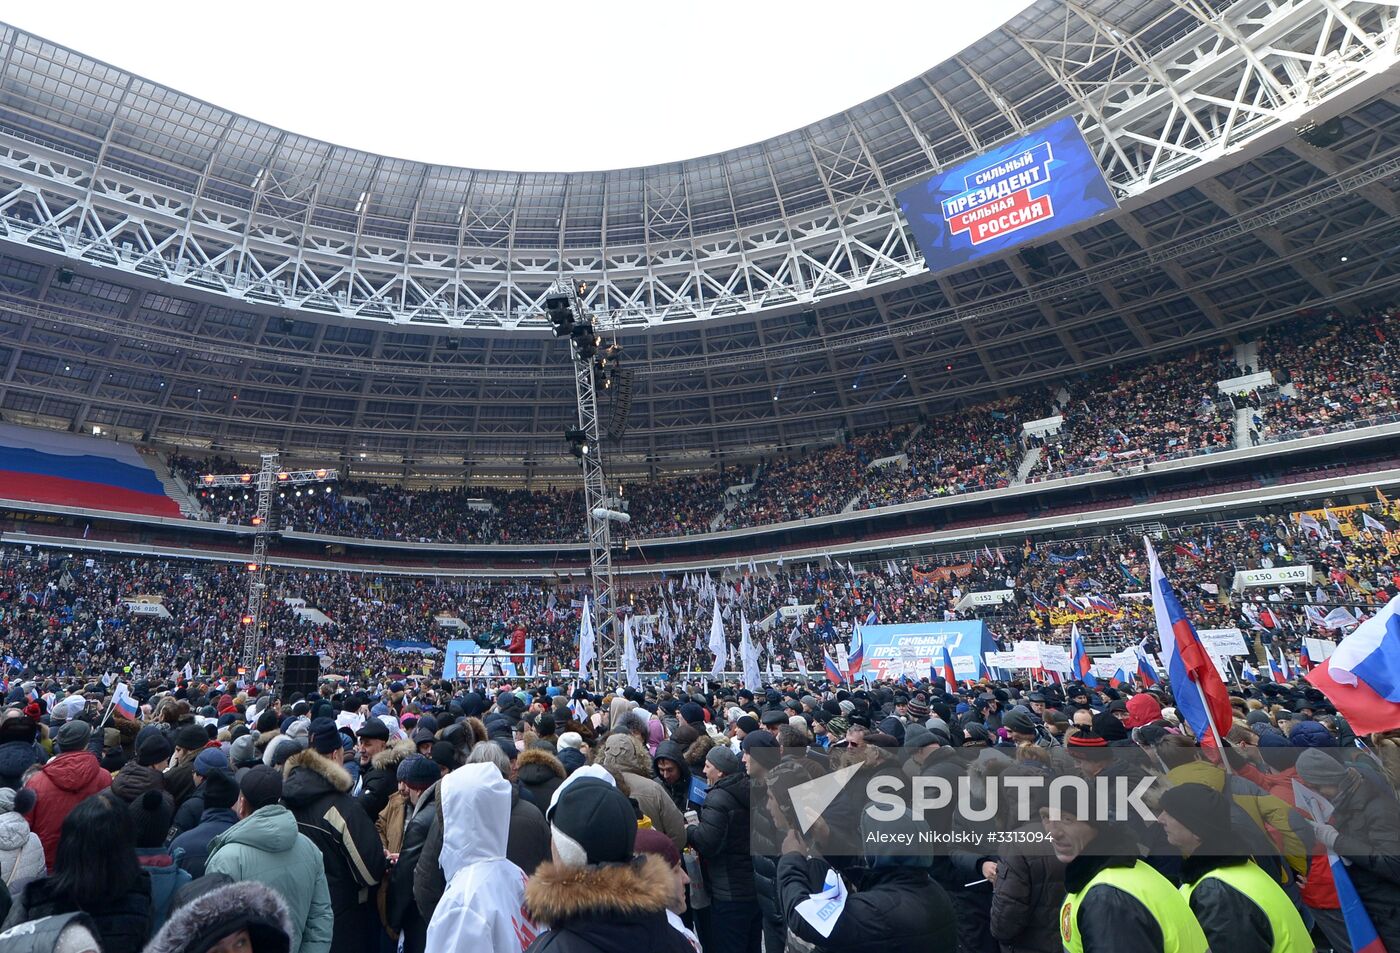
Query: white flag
{"type": "Point", "coordinates": [748, 657]}
{"type": "Point", "coordinates": [1371, 523]}
{"type": "Point", "coordinates": [629, 656]}
{"type": "Point", "coordinates": [717, 643]}
{"type": "Point", "coordinates": [587, 647]}
{"type": "Point", "coordinates": [801, 664]}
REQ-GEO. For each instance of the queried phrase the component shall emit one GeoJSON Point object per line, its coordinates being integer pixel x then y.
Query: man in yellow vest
{"type": "Point", "coordinates": [1240, 908]}
{"type": "Point", "coordinates": [1116, 903]}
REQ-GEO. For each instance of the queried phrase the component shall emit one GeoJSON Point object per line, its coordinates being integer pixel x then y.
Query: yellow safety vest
{"type": "Point", "coordinates": [1290, 935]}
{"type": "Point", "coordinates": [1180, 931]}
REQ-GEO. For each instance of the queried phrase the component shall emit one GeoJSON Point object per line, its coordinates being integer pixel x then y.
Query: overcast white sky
{"type": "Point", "coordinates": [526, 84]}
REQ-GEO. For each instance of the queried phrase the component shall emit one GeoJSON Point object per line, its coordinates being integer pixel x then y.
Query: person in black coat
{"type": "Point", "coordinates": [1363, 831]}
{"type": "Point", "coordinates": [734, 923]}
{"type": "Point", "coordinates": [597, 894]}
{"type": "Point", "coordinates": [540, 773]}
{"type": "Point", "coordinates": [95, 871]}
{"type": "Point", "coordinates": [378, 780]}
{"type": "Point", "coordinates": [316, 789]}
{"type": "Point", "coordinates": [417, 778]}
{"type": "Point", "coordinates": [219, 793]}
{"type": "Point", "coordinates": [672, 773]}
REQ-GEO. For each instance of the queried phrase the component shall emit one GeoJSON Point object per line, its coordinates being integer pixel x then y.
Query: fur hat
{"type": "Point", "coordinates": [204, 921]}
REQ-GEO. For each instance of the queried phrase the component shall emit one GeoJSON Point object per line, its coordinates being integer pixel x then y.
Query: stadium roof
{"type": "Point", "coordinates": [190, 274]}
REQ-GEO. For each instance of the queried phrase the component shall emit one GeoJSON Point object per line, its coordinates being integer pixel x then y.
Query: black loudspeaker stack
{"type": "Point", "coordinates": [299, 675]}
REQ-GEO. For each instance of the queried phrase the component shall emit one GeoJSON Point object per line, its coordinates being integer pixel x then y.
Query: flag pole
{"type": "Point", "coordinates": [1210, 720]}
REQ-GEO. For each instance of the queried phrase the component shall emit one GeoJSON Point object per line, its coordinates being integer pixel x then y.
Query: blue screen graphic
{"type": "Point", "coordinates": [1027, 188]}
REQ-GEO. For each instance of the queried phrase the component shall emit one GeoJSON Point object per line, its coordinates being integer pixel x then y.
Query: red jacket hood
{"type": "Point", "coordinates": [1142, 710]}
{"type": "Point", "coordinates": [73, 771]}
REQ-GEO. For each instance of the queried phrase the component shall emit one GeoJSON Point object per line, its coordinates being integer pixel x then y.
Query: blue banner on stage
{"type": "Point", "coordinates": [1027, 188]}
{"type": "Point", "coordinates": [895, 650]}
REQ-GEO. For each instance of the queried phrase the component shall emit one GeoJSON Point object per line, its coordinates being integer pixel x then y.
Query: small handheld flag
{"type": "Point", "coordinates": [1082, 668]}
{"type": "Point", "coordinates": [950, 679]}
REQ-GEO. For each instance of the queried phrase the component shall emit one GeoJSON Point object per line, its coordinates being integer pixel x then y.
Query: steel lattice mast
{"type": "Point", "coordinates": [266, 481]}
{"type": "Point", "coordinates": [595, 494]}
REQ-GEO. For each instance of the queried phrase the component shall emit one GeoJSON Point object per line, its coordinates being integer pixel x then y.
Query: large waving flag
{"type": "Point", "coordinates": [855, 656]}
{"type": "Point", "coordinates": [1362, 677]}
{"type": "Point", "coordinates": [950, 678]}
{"type": "Point", "coordinates": [1080, 659]}
{"type": "Point", "coordinates": [1189, 665]}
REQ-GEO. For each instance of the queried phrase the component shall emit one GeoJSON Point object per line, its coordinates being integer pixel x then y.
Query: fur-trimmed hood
{"type": "Point", "coordinates": [623, 752]}
{"type": "Point", "coordinates": [308, 776]}
{"type": "Point", "coordinates": [698, 749]}
{"type": "Point", "coordinates": [212, 916]}
{"type": "Point", "coordinates": [540, 762]}
{"type": "Point", "coordinates": [390, 757]}
{"type": "Point", "coordinates": [557, 894]}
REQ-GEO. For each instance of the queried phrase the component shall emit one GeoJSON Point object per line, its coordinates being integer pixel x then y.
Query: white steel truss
{"type": "Point", "coordinates": [1161, 89]}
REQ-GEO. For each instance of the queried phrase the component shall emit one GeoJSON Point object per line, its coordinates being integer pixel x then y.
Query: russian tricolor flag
{"type": "Point", "coordinates": [1187, 661]}
{"type": "Point", "coordinates": [1145, 669]}
{"type": "Point", "coordinates": [261, 674]}
{"type": "Point", "coordinates": [833, 671]}
{"type": "Point", "coordinates": [1248, 673]}
{"type": "Point", "coordinates": [855, 655]}
{"type": "Point", "coordinates": [1275, 672]}
{"type": "Point", "coordinates": [950, 678]}
{"type": "Point", "coordinates": [1304, 659]}
{"type": "Point", "coordinates": [1362, 678]}
{"type": "Point", "coordinates": [1080, 659]}
{"type": "Point", "coordinates": [1120, 677]}
{"type": "Point", "coordinates": [124, 703]}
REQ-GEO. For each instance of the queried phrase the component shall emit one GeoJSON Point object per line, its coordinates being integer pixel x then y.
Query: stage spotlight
{"type": "Point", "coordinates": [578, 441]}
{"type": "Point", "coordinates": [560, 312]}
{"type": "Point", "coordinates": [586, 341]}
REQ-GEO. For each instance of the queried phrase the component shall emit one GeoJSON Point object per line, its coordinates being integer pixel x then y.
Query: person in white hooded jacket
{"type": "Point", "coordinates": [482, 909]}
{"type": "Point", "coordinates": [21, 852]}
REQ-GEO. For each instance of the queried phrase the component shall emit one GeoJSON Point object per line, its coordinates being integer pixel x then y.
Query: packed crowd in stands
{"type": "Point", "coordinates": [67, 611]}
{"type": "Point", "coordinates": [1336, 372]}
{"type": "Point", "coordinates": [1341, 370]}
{"type": "Point", "coordinates": [1151, 411]}
{"type": "Point", "coordinates": [975, 449]}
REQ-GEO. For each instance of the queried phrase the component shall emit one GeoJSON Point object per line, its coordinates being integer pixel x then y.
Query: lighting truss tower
{"type": "Point", "coordinates": [266, 482]}
{"type": "Point", "coordinates": [595, 495]}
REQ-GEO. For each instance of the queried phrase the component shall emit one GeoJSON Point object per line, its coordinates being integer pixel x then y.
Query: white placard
{"type": "Point", "coordinates": [1001, 660]}
{"type": "Point", "coordinates": [1026, 654]}
{"type": "Point", "coordinates": [1054, 658]}
{"type": "Point", "coordinates": [1319, 650]}
{"type": "Point", "coordinates": [1223, 641]}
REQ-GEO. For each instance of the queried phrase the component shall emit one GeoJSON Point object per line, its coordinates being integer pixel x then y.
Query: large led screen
{"type": "Point", "coordinates": [1027, 188]}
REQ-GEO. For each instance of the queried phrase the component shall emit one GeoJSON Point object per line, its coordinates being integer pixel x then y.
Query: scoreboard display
{"type": "Point", "coordinates": [1025, 189]}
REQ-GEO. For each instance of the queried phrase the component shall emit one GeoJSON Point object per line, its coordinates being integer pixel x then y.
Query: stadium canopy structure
{"type": "Point", "coordinates": [174, 272]}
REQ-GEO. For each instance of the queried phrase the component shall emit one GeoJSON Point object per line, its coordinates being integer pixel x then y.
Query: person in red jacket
{"type": "Point", "coordinates": [69, 778]}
